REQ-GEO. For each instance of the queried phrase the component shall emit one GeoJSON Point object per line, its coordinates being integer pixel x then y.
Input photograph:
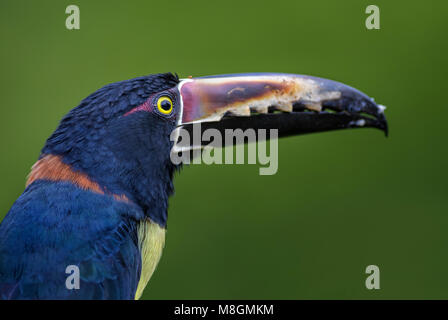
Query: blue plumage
{"type": "Point", "coordinates": [126, 155]}
{"type": "Point", "coordinates": [113, 172]}
{"type": "Point", "coordinates": [54, 225]}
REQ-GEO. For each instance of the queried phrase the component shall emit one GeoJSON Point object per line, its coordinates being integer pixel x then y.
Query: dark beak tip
{"type": "Point", "coordinates": [382, 122]}
{"type": "Point", "coordinates": [386, 131]}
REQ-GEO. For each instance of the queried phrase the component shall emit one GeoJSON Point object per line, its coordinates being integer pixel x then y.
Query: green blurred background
{"type": "Point", "coordinates": [340, 200]}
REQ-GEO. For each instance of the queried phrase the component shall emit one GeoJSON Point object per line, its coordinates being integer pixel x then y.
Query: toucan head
{"type": "Point", "coordinates": [121, 135]}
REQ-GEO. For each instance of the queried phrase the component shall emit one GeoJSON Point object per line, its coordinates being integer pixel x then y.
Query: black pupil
{"type": "Point", "coordinates": [166, 105]}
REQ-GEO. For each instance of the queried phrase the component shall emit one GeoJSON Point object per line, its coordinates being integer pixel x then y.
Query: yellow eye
{"type": "Point", "coordinates": [164, 105]}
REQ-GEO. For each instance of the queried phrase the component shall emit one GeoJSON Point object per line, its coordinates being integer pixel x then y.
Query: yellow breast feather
{"type": "Point", "coordinates": [151, 240]}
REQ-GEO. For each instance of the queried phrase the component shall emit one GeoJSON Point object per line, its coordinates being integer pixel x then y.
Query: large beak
{"type": "Point", "coordinates": [292, 104]}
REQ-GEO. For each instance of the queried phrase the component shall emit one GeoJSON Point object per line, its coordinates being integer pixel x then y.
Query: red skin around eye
{"type": "Point", "coordinates": [146, 106]}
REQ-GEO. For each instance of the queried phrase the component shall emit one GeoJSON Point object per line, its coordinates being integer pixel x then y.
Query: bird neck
{"type": "Point", "coordinates": [130, 157]}
{"type": "Point", "coordinates": [52, 168]}
{"type": "Point", "coordinates": [149, 189]}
